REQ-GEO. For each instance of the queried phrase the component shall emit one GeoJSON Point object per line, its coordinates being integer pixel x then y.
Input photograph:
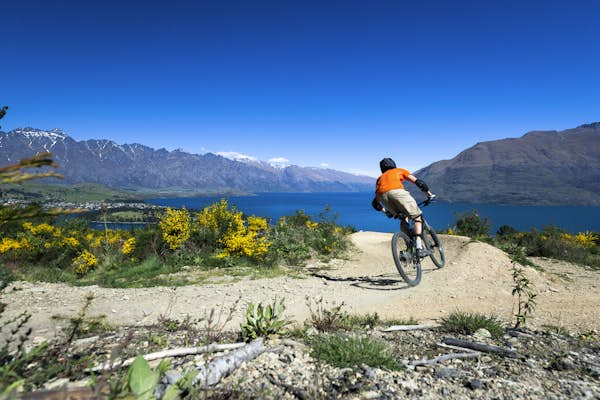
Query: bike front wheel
{"type": "Point", "coordinates": [433, 244]}
{"type": "Point", "coordinates": [406, 261]}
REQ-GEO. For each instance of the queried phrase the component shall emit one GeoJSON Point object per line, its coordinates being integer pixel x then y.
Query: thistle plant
{"type": "Point", "coordinates": [262, 321]}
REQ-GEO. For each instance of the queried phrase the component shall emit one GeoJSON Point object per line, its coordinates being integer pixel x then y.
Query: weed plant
{"type": "Point", "coordinates": [466, 323]}
{"type": "Point", "coordinates": [351, 351]}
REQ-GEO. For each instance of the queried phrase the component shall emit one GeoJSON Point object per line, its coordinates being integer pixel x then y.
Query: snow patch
{"type": "Point", "coordinates": [279, 162]}
{"type": "Point", "coordinates": [235, 156]}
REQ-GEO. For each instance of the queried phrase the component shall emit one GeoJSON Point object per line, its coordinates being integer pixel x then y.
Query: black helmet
{"type": "Point", "coordinates": [386, 163]}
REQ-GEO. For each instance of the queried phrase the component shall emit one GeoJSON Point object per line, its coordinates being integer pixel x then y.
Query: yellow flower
{"type": "Point", "coordinates": [238, 237]}
{"type": "Point", "coordinates": [311, 225]}
{"type": "Point", "coordinates": [586, 239]}
{"type": "Point", "coordinates": [42, 228]}
{"type": "Point", "coordinates": [128, 246]}
{"type": "Point", "coordinates": [84, 262]}
{"type": "Point", "coordinates": [256, 224]}
{"type": "Point", "coordinates": [70, 241]}
{"type": "Point", "coordinates": [8, 244]}
{"type": "Point", "coordinates": [176, 227]}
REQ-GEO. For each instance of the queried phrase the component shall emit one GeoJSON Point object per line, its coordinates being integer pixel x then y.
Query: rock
{"type": "Point", "coordinates": [474, 384]}
{"type": "Point", "coordinates": [444, 373]}
{"type": "Point", "coordinates": [370, 395]}
{"type": "Point", "coordinates": [481, 335]}
{"type": "Point", "coordinates": [56, 384]}
{"type": "Point", "coordinates": [563, 364]}
{"type": "Point", "coordinates": [80, 343]}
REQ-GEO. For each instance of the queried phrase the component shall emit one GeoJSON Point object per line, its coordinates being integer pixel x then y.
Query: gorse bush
{"type": "Point", "coordinates": [175, 227]}
{"type": "Point", "coordinates": [218, 236]}
{"type": "Point", "coordinates": [553, 242]}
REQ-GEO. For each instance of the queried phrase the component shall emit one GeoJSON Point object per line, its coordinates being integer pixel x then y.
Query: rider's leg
{"type": "Point", "coordinates": [405, 226]}
{"type": "Point", "coordinates": [418, 228]}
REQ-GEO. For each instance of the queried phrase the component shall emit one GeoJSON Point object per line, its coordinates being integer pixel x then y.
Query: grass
{"type": "Point", "coordinates": [350, 351]}
{"type": "Point", "coordinates": [466, 323]}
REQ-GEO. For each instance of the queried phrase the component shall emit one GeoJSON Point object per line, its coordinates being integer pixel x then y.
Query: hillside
{"type": "Point", "coordinates": [550, 363]}
{"type": "Point", "coordinates": [541, 167]}
{"type": "Point", "coordinates": [135, 166]}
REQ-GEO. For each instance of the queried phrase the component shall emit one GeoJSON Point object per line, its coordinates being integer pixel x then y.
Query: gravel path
{"type": "Point", "coordinates": [477, 277]}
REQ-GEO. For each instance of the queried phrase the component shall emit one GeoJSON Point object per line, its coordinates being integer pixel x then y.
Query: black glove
{"type": "Point", "coordinates": [376, 205]}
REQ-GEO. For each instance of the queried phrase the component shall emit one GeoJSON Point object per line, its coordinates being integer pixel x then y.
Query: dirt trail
{"type": "Point", "coordinates": [477, 277]}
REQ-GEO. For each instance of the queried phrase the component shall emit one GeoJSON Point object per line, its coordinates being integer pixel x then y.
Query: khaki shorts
{"type": "Point", "coordinates": [400, 200]}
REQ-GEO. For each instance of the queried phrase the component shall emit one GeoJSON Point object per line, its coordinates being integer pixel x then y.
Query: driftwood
{"type": "Point", "coordinates": [183, 351]}
{"type": "Point", "coordinates": [443, 358]}
{"type": "Point", "coordinates": [222, 366]}
{"type": "Point", "coordinates": [486, 348]}
{"type": "Point", "coordinates": [407, 327]}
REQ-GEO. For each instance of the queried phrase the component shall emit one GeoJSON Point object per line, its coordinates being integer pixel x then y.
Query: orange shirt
{"type": "Point", "coordinates": [391, 179]}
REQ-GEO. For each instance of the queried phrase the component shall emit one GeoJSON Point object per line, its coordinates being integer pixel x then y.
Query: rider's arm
{"type": "Point", "coordinates": [420, 184]}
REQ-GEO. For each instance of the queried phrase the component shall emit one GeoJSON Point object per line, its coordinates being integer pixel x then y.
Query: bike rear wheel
{"type": "Point", "coordinates": [406, 261]}
{"type": "Point", "coordinates": [433, 244]}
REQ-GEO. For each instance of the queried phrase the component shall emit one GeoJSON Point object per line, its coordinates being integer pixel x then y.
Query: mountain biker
{"type": "Point", "coordinates": [391, 198]}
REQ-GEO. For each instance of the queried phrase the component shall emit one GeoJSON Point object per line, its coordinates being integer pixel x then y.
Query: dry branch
{"type": "Point", "coordinates": [463, 349]}
{"type": "Point", "coordinates": [182, 351]}
{"type": "Point", "coordinates": [222, 366]}
{"type": "Point", "coordinates": [407, 327]}
{"type": "Point", "coordinates": [486, 348]}
{"type": "Point", "coordinates": [444, 358]}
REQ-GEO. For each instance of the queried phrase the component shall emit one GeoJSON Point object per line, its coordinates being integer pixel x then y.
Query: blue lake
{"type": "Point", "coordinates": [355, 209]}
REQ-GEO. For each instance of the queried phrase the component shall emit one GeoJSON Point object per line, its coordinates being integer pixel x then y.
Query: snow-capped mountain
{"type": "Point", "coordinates": [138, 166]}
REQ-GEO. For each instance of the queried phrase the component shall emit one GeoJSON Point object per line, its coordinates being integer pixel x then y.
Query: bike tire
{"type": "Point", "coordinates": [407, 263]}
{"type": "Point", "coordinates": [433, 244]}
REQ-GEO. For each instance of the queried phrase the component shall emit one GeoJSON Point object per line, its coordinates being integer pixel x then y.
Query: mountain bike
{"type": "Point", "coordinates": [404, 248]}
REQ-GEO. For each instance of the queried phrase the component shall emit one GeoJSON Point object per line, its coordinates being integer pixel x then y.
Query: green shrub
{"type": "Point", "coordinates": [349, 351]}
{"type": "Point", "coordinates": [471, 224]}
{"type": "Point", "coordinates": [298, 237]}
{"type": "Point", "coordinates": [466, 323]}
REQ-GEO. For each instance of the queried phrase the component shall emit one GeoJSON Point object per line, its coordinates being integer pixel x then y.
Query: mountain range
{"type": "Point", "coordinates": [541, 167]}
{"type": "Point", "coordinates": [135, 166]}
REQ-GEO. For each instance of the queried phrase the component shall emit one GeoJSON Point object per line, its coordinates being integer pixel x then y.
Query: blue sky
{"type": "Point", "coordinates": [337, 83]}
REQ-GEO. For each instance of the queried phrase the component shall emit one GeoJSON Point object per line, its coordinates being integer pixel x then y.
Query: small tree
{"type": "Point", "coordinates": [524, 290]}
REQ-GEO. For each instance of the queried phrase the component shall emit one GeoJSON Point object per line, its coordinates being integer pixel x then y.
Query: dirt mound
{"type": "Point", "coordinates": [477, 277]}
